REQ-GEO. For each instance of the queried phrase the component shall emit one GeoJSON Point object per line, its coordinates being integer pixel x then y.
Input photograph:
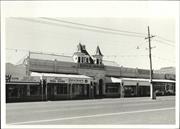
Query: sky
{"type": "Point", "coordinates": [50, 36]}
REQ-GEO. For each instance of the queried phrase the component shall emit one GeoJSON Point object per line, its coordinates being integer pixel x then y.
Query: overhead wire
{"type": "Point", "coordinates": [81, 28]}
{"type": "Point", "coordinates": [165, 59]}
{"type": "Point", "coordinates": [92, 26]}
{"type": "Point", "coordinates": [161, 42]}
{"type": "Point", "coordinates": [162, 38]}
{"type": "Point", "coordinates": [104, 28]}
{"type": "Point", "coordinates": [95, 29]}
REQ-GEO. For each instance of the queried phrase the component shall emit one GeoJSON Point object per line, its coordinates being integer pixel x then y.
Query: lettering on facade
{"type": "Point", "coordinates": [57, 80]}
{"type": "Point", "coordinates": [142, 71]}
{"type": "Point", "coordinates": [8, 78]}
{"type": "Point", "coordinates": [78, 81]}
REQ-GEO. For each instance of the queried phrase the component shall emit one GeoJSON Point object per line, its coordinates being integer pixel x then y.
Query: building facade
{"type": "Point", "coordinates": [103, 78]}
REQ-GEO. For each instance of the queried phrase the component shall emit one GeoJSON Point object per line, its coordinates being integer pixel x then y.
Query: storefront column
{"type": "Point", "coordinates": [55, 90]}
{"type": "Point", "coordinates": [122, 90]}
{"type": "Point", "coordinates": [42, 90]}
{"type": "Point", "coordinates": [90, 91]}
{"type": "Point", "coordinates": [70, 91]}
{"type": "Point", "coordinates": [136, 91]}
{"type": "Point", "coordinates": [46, 90]}
{"type": "Point", "coordinates": [119, 90]}
{"type": "Point", "coordinates": [165, 86]}
{"type": "Point", "coordinates": [28, 90]}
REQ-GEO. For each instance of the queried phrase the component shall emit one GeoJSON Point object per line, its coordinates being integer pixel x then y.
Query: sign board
{"type": "Point", "coordinates": [67, 80]}
{"type": "Point", "coordinates": [11, 78]}
{"type": "Point", "coordinates": [56, 80]}
{"type": "Point", "coordinates": [79, 81]}
{"type": "Point", "coordinates": [143, 71]}
{"type": "Point", "coordinates": [129, 83]}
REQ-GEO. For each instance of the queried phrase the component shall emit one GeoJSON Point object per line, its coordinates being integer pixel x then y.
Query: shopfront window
{"type": "Point", "coordinates": [15, 91]}
{"type": "Point", "coordinates": [79, 59]}
{"type": "Point", "coordinates": [97, 61]}
{"type": "Point", "coordinates": [12, 92]}
{"type": "Point", "coordinates": [130, 91]}
{"type": "Point", "coordinates": [87, 60]}
{"type": "Point", "coordinates": [34, 90]}
{"type": "Point", "coordinates": [112, 88]}
{"type": "Point", "coordinates": [144, 90]}
{"type": "Point", "coordinates": [62, 89]}
{"type": "Point", "coordinates": [79, 89]}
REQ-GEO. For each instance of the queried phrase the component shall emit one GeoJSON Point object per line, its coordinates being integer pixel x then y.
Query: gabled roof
{"type": "Point", "coordinates": [82, 49]}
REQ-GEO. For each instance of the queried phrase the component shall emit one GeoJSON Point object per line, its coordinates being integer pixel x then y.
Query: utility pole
{"type": "Point", "coordinates": [151, 72]}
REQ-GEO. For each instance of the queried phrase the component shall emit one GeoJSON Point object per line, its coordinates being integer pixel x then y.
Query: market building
{"type": "Point", "coordinates": [83, 76]}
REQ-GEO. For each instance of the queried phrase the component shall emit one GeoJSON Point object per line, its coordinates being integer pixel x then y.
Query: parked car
{"type": "Point", "coordinates": [159, 92]}
{"type": "Point", "coordinates": [169, 92]}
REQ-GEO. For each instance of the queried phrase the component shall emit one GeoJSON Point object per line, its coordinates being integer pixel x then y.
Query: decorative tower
{"type": "Point", "coordinates": [98, 56]}
{"type": "Point", "coordinates": [82, 56]}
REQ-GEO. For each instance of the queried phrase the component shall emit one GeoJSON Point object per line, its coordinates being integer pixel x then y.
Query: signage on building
{"type": "Point", "coordinates": [67, 80]}
{"type": "Point", "coordinates": [79, 81]}
{"type": "Point", "coordinates": [56, 80]}
{"type": "Point", "coordinates": [11, 78]}
{"type": "Point", "coordinates": [170, 76]}
{"type": "Point", "coordinates": [143, 71]}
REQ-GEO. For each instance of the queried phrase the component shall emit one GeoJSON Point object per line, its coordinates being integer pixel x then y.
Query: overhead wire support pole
{"type": "Point", "coordinates": [152, 95]}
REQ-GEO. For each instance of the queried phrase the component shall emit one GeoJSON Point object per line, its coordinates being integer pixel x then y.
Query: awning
{"type": "Point", "coordinates": [144, 83]}
{"type": "Point", "coordinates": [59, 75]}
{"type": "Point", "coordinates": [113, 80]}
{"type": "Point", "coordinates": [22, 83]}
{"type": "Point", "coordinates": [163, 80]}
{"type": "Point", "coordinates": [25, 79]}
{"type": "Point", "coordinates": [134, 81]}
{"type": "Point", "coordinates": [129, 82]}
{"type": "Point", "coordinates": [63, 78]}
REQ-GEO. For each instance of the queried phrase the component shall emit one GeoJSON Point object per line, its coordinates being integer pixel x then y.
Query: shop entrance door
{"type": "Point", "coordinates": [101, 88]}
{"type": "Point", "coordinates": [50, 91]}
{"type": "Point", "coordinates": [94, 89]}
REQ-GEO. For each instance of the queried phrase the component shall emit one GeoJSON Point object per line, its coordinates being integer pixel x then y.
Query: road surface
{"type": "Point", "coordinates": [113, 111]}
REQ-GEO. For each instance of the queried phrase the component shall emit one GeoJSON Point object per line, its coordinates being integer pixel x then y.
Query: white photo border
{"type": "Point", "coordinates": [85, 9]}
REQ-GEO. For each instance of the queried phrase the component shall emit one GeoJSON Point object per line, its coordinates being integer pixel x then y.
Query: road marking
{"type": "Point", "coordinates": [89, 116]}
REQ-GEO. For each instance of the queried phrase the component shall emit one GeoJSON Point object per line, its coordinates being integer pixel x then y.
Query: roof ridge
{"type": "Point", "coordinates": [50, 54]}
